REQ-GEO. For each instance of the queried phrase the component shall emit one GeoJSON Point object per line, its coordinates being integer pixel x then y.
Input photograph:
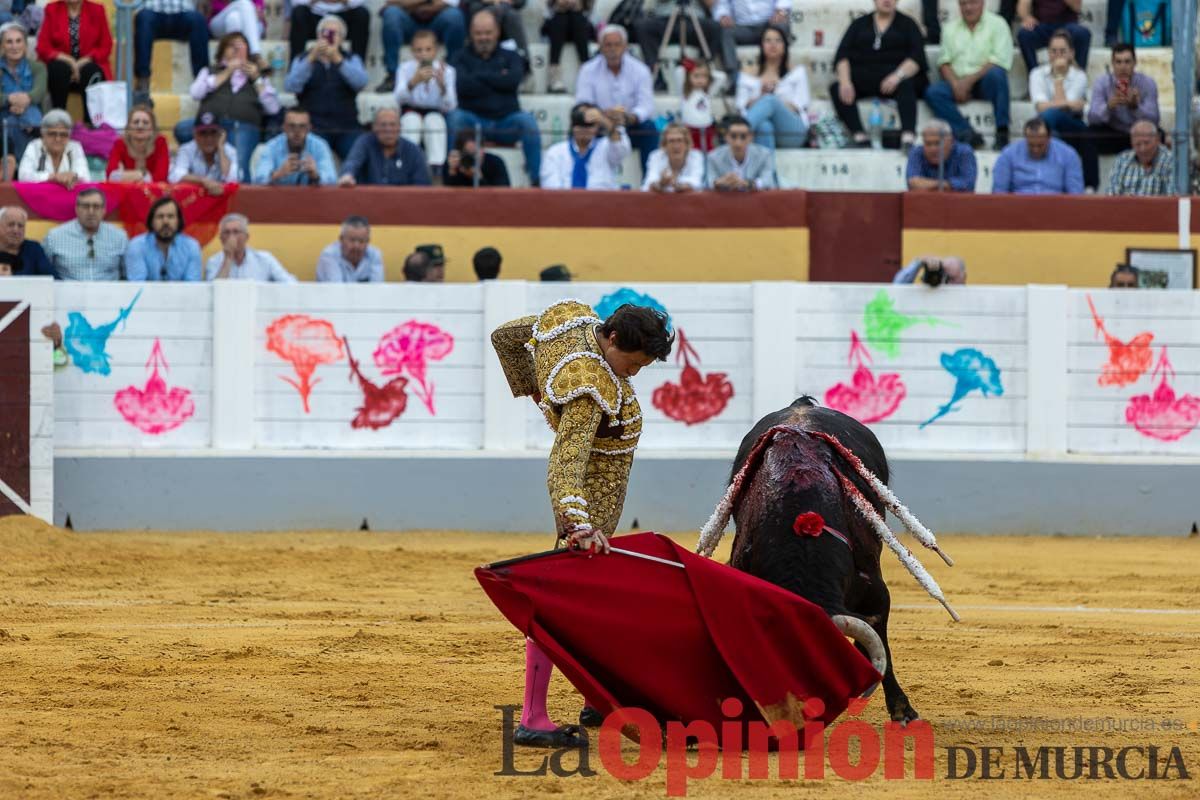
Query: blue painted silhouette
{"type": "Point", "coordinates": [86, 344]}
{"type": "Point", "coordinates": [611, 302]}
{"type": "Point", "coordinates": [972, 370]}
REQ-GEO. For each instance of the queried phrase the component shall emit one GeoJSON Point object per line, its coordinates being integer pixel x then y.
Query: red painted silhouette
{"type": "Point", "coordinates": [381, 404]}
{"type": "Point", "coordinates": [155, 409]}
{"type": "Point", "coordinates": [1162, 415]}
{"type": "Point", "coordinates": [306, 343]}
{"type": "Point", "coordinates": [867, 398]}
{"type": "Point", "coordinates": [1127, 361]}
{"type": "Point", "coordinates": [694, 399]}
{"type": "Point", "coordinates": [407, 347]}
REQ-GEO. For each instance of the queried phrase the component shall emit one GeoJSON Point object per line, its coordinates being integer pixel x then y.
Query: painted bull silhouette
{"type": "Point", "coordinates": [808, 493]}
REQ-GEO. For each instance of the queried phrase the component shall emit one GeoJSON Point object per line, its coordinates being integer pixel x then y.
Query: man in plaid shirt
{"type": "Point", "coordinates": [1148, 170]}
{"type": "Point", "coordinates": [87, 248]}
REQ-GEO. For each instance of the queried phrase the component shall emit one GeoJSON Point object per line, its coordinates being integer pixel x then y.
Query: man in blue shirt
{"type": "Point", "coordinates": [164, 252]}
{"type": "Point", "coordinates": [1038, 164]}
{"type": "Point", "coordinates": [384, 157]}
{"type": "Point", "coordinates": [296, 157]}
{"type": "Point", "coordinates": [957, 171]}
{"type": "Point", "coordinates": [23, 256]}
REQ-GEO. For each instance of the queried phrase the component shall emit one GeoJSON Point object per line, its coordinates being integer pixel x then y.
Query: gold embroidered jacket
{"type": "Point", "coordinates": [556, 359]}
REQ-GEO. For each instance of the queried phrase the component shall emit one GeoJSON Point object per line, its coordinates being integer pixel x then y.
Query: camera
{"type": "Point", "coordinates": [467, 161]}
{"type": "Point", "coordinates": [933, 274]}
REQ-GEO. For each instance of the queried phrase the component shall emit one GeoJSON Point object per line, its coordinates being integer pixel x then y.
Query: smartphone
{"type": "Point", "coordinates": [426, 64]}
{"type": "Point", "coordinates": [328, 35]}
{"type": "Point", "coordinates": [1123, 85]}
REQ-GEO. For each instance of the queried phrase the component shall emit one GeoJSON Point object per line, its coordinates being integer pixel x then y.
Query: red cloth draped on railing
{"type": "Point", "coordinates": [201, 211]}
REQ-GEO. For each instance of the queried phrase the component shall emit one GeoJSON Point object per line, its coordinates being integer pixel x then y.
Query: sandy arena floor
{"type": "Point", "coordinates": [339, 665]}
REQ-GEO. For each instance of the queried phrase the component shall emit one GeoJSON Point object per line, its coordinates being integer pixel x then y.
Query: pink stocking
{"type": "Point", "coordinates": [537, 683]}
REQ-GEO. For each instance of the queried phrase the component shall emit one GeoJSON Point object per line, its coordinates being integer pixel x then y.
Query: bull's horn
{"type": "Point", "coordinates": [866, 636]}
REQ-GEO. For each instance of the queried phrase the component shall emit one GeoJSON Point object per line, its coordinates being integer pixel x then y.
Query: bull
{"type": "Point", "coordinates": [808, 492]}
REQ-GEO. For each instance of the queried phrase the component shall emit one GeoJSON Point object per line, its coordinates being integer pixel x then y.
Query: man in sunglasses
{"type": "Point", "coordinates": [87, 248]}
{"type": "Point", "coordinates": [740, 165]}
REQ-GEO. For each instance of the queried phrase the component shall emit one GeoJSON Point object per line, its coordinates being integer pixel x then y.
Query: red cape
{"type": "Point", "coordinates": [630, 632]}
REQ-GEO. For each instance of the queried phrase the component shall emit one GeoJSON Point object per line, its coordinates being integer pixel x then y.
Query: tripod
{"type": "Point", "coordinates": [672, 22]}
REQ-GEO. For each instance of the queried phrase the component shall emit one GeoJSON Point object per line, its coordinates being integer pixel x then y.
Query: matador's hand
{"type": "Point", "coordinates": [584, 538]}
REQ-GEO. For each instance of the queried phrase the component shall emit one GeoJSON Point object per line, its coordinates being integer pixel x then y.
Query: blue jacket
{"type": "Point", "coordinates": [488, 87]}
{"type": "Point", "coordinates": [367, 164]}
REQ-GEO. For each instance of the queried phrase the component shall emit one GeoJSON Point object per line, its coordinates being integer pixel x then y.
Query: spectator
{"type": "Point", "coordinates": [1120, 98]}
{"type": "Point", "coordinates": [1037, 164]}
{"type": "Point", "coordinates": [55, 157]}
{"type": "Point", "coordinates": [466, 159]}
{"type": "Point", "coordinates": [22, 89]}
{"type": "Point", "coordinates": [1124, 277]}
{"type": "Point", "coordinates": [1147, 170]}
{"type": "Point", "coordinates": [881, 55]}
{"type": "Point", "coordinates": [239, 16]}
{"type": "Point", "coordinates": [238, 96]}
{"type": "Point", "coordinates": [651, 30]}
{"type": "Point", "coordinates": [22, 256]}
{"type": "Point", "coordinates": [697, 109]}
{"type": "Point", "coordinates": [508, 14]}
{"type": "Point", "coordinates": [208, 160]}
{"type": "Point", "coordinates": [351, 259]}
{"type": "Point", "coordinates": [675, 166]}
{"type": "Point", "coordinates": [934, 271]}
{"type": "Point", "coordinates": [976, 56]}
{"type": "Point", "coordinates": [307, 14]}
{"type": "Point", "coordinates": [957, 160]}
{"type": "Point", "coordinates": [239, 262]}
{"type": "Point", "coordinates": [1041, 19]}
{"type": "Point", "coordinates": [383, 157]}
{"type": "Point", "coordinates": [140, 154]}
{"type": "Point", "coordinates": [1057, 90]}
{"type": "Point", "coordinates": [590, 158]}
{"type": "Point", "coordinates": [296, 157]}
{"type": "Point", "coordinates": [620, 86]}
{"type": "Point", "coordinates": [740, 165]}
{"type": "Point", "coordinates": [326, 82]}
{"type": "Point", "coordinates": [166, 19]}
{"type": "Point", "coordinates": [773, 97]}
{"type": "Point", "coordinates": [487, 264]}
{"type": "Point", "coordinates": [745, 22]}
{"type": "Point", "coordinates": [425, 91]}
{"type": "Point", "coordinates": [75, 44]}
{"type": "Point", "coordinates": [164, 252]}
{"type": "Point", "coordinates": [426, 264]}
{"type": "Point", "coordinates": [487, 78]}
{"type": "Point", "coordinates": [403, 18]}
{"type": "Point", "coordinates": [566, 21]}
{"type": "Point", "coordinates": [554, 274]}
{"type": "Point", "coordinates": [87, 248]}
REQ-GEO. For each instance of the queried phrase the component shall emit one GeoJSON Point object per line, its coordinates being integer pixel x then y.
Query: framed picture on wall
{"type": "Point", "coordinates": [1163, 269]}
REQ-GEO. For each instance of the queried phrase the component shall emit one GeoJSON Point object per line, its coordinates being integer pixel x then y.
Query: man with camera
{"type": "Point", "coordinates": [466, 162]}
{"type": "Point", "coordinates": [934, 271]}
{"type": "Point", "coordinates": [1120, 98]}
{"type": "Point", "coordinates": [296, 157]}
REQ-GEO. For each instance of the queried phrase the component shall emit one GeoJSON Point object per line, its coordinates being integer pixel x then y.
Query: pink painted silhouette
{"type": "Point", "coordinates": [407, 347]}
{"type": "Point", "coordinates": [306, 343]}
{"type": "Point", "coordinates": [1162, 415]}
{"type": "Point", "coordinates": [1127, 361]}
{"type": "Point", "coordinates": [695, 398]}
{"type": "Point", "coordinates": [381, 404]}
{"type": "Point", "coordinates": [867, 398]}
{"type": "Point", "coordinates": [155, 409]}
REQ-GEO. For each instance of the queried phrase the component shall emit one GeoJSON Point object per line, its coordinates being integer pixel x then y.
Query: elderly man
{"type": "Point", "coordinates": [743, 22]}
{"type": "Point", "coordinates": [740, 165]}
{"type": "Point", "coordinates": [1038, 164]}
{"type": "Point", "coordinates": [296, 157]}
{"type": "Point", "coordinates": [1120, 98]}
{"type": "Point", "coordinates": [384, 157]}
{"type": "Point", "coordinates": [426, 264]}
{"type": "Point", "coordinates": [208, 159]}
{"type": "Point", "coordinates": [326, 81]}
{"type": "Point", "coordinates": [307, 15]}
{"type": "Point", "coordinates": [620, 86]}
{"type": "Point", "coordinates": [351, 259]}
{"type": "Point", "coordinates": [87, 248]}
{"type": "Point", "coordinates": [1147, 170]}
{"type": "Point", "coordinates": [934, 271]}
{"type": "Point", "coordinates": [976, 56]}
{"type": "Point", "coordinates": [488, 77]}
{"type": "Point", "coordinates": [164, 252]}
{"type": "Point", "coordinates": [1041, 19]}
{"type": "Point", "coordinates": [590, 158]}
{"type": "Point", "coordinates": [957, 169]}
{"type": "Point", "coordinates": [239, 262]}
{"type": "Point", "coordinates": [23, 256]}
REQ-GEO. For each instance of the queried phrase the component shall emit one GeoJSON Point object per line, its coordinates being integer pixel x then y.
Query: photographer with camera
{"type": "Point", "coordinates": [934, 271]}
{"type": "Point", "coordinates": [467, 161]}
{"type": "Point", "coordinates": [296, 157]}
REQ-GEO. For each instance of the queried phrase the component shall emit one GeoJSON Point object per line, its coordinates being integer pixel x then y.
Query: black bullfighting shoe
{"type": "Point", "coordinates": [560, 737]}
{"type": "Point", "coordinates": [590, 717]}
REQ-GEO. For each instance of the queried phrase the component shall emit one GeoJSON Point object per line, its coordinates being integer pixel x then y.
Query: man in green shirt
{"type": "Point", "coordinates": [977, 52]}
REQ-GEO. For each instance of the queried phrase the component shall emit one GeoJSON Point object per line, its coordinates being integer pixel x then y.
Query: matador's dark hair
{"type": "Point", "coordinates": [640, 329]}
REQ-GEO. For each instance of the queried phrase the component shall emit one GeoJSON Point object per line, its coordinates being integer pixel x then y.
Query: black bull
{"type": "Point", "coordinates": [799, 473]}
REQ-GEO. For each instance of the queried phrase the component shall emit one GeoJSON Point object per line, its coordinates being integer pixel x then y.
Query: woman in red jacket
{"type": "Point", "coordinates": [75, 43]}
{"type": "Point", "coordinates": [141, 153]}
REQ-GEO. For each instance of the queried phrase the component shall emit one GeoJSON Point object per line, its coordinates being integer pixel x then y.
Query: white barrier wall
{"type": "Point", "coordinates": [237, 366]}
